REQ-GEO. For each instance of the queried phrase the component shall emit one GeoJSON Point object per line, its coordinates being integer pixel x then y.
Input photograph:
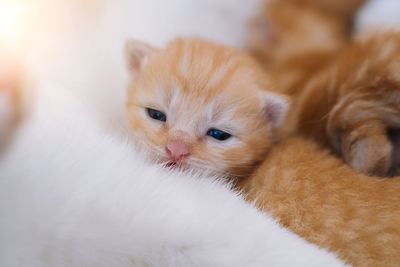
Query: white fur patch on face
{"type": "Point", "coordinates": [174, 99]}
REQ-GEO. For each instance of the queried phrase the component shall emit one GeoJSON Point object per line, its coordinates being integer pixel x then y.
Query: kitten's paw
{"type": "Point", "coordinates": [370, 154]}
{"type": "Point", "coordinates": [365, 130]}
{"type": "Point", "coordinates": [369, 147]}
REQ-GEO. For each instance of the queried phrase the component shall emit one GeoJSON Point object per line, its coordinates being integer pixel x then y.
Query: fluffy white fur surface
{"type": "Point", "coordinates": [74, 192]}
{"type": "Point", "coordinates": [73, 196]}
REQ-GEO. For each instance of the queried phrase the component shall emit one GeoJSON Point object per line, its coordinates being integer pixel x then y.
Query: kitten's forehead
{"type": "Point", "coordinates": [204, 69]}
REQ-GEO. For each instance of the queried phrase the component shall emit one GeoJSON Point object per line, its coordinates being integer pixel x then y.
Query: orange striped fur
{"type": "Point", "coordinates": [324, 201]}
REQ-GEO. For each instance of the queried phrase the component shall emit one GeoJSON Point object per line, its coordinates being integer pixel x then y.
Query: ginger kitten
{"type": "Point", "coordinates": [199, 105]}
{"type": "Point", "coordinates": [329, 204]}
{"type": "Point", "coordinates": [345, 92]}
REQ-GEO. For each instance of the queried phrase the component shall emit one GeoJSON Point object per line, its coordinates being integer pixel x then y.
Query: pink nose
{"type": "Point", "coordinates": [177, 150]}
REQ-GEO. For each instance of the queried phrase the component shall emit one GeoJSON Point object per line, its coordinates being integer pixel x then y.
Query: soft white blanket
{"type": "Point", "coordinates": [74, 192]}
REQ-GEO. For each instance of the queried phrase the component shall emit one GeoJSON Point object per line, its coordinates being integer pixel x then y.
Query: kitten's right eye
{"type": "Point", "coordinates": [218, 134]}
{"type": "Point", "coordinates": [157, 115]}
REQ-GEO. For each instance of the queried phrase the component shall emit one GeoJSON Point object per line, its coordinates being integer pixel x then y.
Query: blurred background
{"type": "Point", "coordinates": [77, 45]}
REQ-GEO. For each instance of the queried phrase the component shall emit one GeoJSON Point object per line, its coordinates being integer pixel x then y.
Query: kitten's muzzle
{"type": "Point", "coordinates": [177, 150]}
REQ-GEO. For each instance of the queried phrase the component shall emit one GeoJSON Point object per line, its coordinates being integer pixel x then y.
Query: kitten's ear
{"type": "Point", "coordinates": [137, 54]}
{"type": "Point", "coordinates": [276, 107]}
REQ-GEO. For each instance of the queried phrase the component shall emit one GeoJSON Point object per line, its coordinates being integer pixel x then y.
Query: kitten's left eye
{"type": "Point", "coordinates": [218, 134]}
{"type": "Point", "coordinates": [157, 115]}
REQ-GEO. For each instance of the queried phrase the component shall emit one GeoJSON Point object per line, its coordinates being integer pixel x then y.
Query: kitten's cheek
{"type": "Point", "coordinates": [134, 120]}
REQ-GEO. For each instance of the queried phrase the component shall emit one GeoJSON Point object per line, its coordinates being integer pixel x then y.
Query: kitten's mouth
{"type": "Point", "coordinates": [171, 164]}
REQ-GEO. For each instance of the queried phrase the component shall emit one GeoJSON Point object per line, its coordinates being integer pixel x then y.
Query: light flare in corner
{"type": "Point", "coordinates": [12, 28]}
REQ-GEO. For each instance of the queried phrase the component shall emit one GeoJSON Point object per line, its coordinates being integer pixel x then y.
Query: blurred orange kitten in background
{"type": "Point", "coordinates": [345, 92]}
{"type": "Point", "coordinates": [202, 106]}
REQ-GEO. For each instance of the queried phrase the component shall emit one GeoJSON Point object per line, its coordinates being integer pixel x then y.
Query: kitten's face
{"type": "Point", "coordinates": [201, 106]}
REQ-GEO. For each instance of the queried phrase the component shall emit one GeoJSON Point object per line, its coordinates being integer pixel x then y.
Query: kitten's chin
{"type": "Point", "coordinates": [186, 167]}
{"type": "Point", "coordinates": [180, 165]}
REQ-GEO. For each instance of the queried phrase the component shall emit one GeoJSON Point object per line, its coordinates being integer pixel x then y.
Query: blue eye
{"type": "Point", "coordinates": [157, 115]}
{"type": "Point", "coordinates": [218, 134]}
